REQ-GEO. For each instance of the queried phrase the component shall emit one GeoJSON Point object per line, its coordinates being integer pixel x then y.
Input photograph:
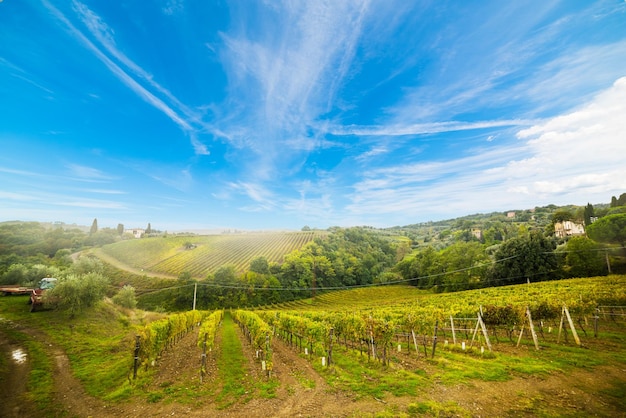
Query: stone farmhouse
{"type": "Point", "coordinates": [567, 229]}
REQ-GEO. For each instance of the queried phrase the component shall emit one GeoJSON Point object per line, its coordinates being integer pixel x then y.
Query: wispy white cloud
{"type": "Point", "coordinates": [19, 73]}
{"type": "Point", "coordinates": [259, 194]}
{"type": "Point", "coordinates": [287, 77]}
{"type": "Point", "coordinates": [16, 196]}
{"type": "Point", "coordinates": [577, 157]}
{"type": "Point", "coordinates": [17, 172]}
{"type": "Point", "coordinates": [105, 191]}
{"type": "Point", "coordinates": [173, 7]}
{"type": "Point", "coordinates": [105, 36]}
{"type": "Point", "coordinates": [85, 173]}
{"type": "Point", "coordinates": [425, 128]}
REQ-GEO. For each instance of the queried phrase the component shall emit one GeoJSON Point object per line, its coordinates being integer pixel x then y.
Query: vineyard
{"type": "Point", "coordinates": [400, 329]}
{"type": "Point", "coordinates": [540, 349]}
{"type": "Point", "coordinates": [360, 320]}
{"type": "Point", "coordinates": [202, 255]}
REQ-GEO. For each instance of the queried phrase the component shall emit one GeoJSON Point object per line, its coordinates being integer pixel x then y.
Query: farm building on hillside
{"type": "Point", "coordinates": [477, 233]}
{"type": "Point", "coordinates": [568, 229]}
{"type": "Point", "coordinates": [136, 232]}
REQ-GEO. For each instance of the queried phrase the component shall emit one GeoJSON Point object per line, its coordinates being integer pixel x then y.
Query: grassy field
{"type": "Point", "coordinates": [560, 379]}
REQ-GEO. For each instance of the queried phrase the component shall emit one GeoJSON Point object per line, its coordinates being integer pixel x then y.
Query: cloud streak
{"type": "Point", "coordinates": [104, 35]}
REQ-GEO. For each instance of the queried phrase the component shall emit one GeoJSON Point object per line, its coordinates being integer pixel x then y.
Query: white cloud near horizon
{"type": "Point", "coordinates": [578, 155]}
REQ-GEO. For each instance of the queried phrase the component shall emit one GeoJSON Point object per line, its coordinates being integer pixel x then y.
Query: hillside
{"type": "Point", "coordinates": [202, 255]}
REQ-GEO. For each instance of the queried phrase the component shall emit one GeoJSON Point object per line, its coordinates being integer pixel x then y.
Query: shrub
{"type": "Point", "coordinates": [126, 297]}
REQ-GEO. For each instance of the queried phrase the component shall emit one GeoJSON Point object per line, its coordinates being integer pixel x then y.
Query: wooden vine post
{"type": "Point", "coordinates": [532, 328]}
{"type": "Point", "coordinates": [484, 329]}
{"type": "Point", "coordinates": [435, 338]}
{"type": "Point", "coordinates": [203, 360]}
{"type": "Point", "coordinates": [417, 351]}
{"type": "Point", "coordinates": [136, 359]}
{"type": "Point", "coordinates": [453, 331]}
{"type": "Point", "coordinates": [266, 354]}
{"type": "Point", "coordinates": [565, 314]}
{"type": "Point", "coordinates": [330, 347]}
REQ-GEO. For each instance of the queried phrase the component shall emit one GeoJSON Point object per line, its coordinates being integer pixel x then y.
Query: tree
{"type": "Point", "coordinates": [126, 297]}
{"type": "Point", "coordinates": [120, 229]}
{"type": "Point", "coordinates": [583, 258]}
{"type": "Point", "coordinates": [621, 201]}
{"type": "Point", "coordinates": [562, 215]}
{"type": "Point", "coordinates": [94, 227]}
{"type": "Point", "coordinates": [529, 257]}
{"type": "Point", "coordinates": [74, 293]}
{"type": "Point", "coordinates": [148, 229]}
{"type": "Point", "coordinates": [85, 265]}
{"type": "Point", "coordinates": [260, 265]}
{"type": "Point", "coordinates": [588, 214]}
{"type": "Point", "coordinates": [610, 229]}
{"type": "Point", "coordinates": [464, 263]}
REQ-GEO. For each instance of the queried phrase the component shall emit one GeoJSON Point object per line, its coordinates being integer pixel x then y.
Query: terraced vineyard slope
{"type": "Point", "coordinates": [203, 255]}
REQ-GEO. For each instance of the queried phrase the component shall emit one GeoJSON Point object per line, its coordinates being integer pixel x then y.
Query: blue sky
{"type": "Point", "coordinates": [279, 114]}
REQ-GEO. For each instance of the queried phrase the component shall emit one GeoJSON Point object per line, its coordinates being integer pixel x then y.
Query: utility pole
{"type": "Point", "coordinates": [195, 291]}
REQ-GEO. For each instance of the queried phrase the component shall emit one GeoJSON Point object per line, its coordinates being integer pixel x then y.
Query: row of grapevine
{"type": "Point", "coordinates": [258, 333]}
{"type": "Point", "coordinates": [155, 337]}
{"type": "Point", "coordinates": [314, 334]}
{"type": "Point", "coordinates": [506, 309]}
{"type": "Point", "coordinates": [145, 252]}
{"type": "Point", "coordinates": [208, 329]}
{"type": "Point", "coordinates": [580, 295]}
{"type": "Point", "coordinates": [206, 337]}
{"type": "Point", "coordinates": [209, 252]}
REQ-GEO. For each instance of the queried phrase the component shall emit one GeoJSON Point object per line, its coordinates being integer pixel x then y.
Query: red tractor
{"type": "Point", "coordinates": [36, 295]}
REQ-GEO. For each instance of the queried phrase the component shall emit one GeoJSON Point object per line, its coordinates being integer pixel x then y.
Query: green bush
{"type": "Point", "coordinates": [75, 292]}
{"type": "Point", "coordinates": [126, 297]}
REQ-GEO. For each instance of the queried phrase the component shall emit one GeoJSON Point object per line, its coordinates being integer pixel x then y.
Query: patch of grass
{"type": "Point", "coordinates": [371, 378]}
{"type": "Point", "coordinates": [455, 368]}
{"type": "Point", "coordinates": [436, 409]}
{"type": "Point", "coordinates": [302, 379]}
{"type": "Point", "coordinates": [231, 364]}
{"type": "Point", "coordinates": [617, 391]}
{"type": "Point", "coordinates": [267, 389]}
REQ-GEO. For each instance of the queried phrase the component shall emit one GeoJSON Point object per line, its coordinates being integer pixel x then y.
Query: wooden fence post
{"type": "Point", "coordinates": [435, 338]}
{"type": "Point", "coordinates": [519, 339]}
{"type": "Point", "coordinates": [453, 331]}
{"type": "Point", "coordinates": [203, 360]}
{"type": "Point", "coordinates": [330, 347]}
{"type": "Point", "coordinates": [415, 343]}
{"type": "Point", "coordinates": [484, 328]}
{"type": "Point", "coordinates": [532, 328]}
{"type": "Point", "coordinates": [571, 324]}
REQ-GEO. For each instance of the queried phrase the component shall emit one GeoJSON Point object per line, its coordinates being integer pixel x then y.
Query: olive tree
{"type": "Point", "coordinates": [610, 229]}
{"type": "Point", "coordinates": [74, 292]}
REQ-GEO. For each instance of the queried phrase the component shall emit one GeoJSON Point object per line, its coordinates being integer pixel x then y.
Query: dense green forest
{"type": "Point", "coordinates": [470, 252]}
